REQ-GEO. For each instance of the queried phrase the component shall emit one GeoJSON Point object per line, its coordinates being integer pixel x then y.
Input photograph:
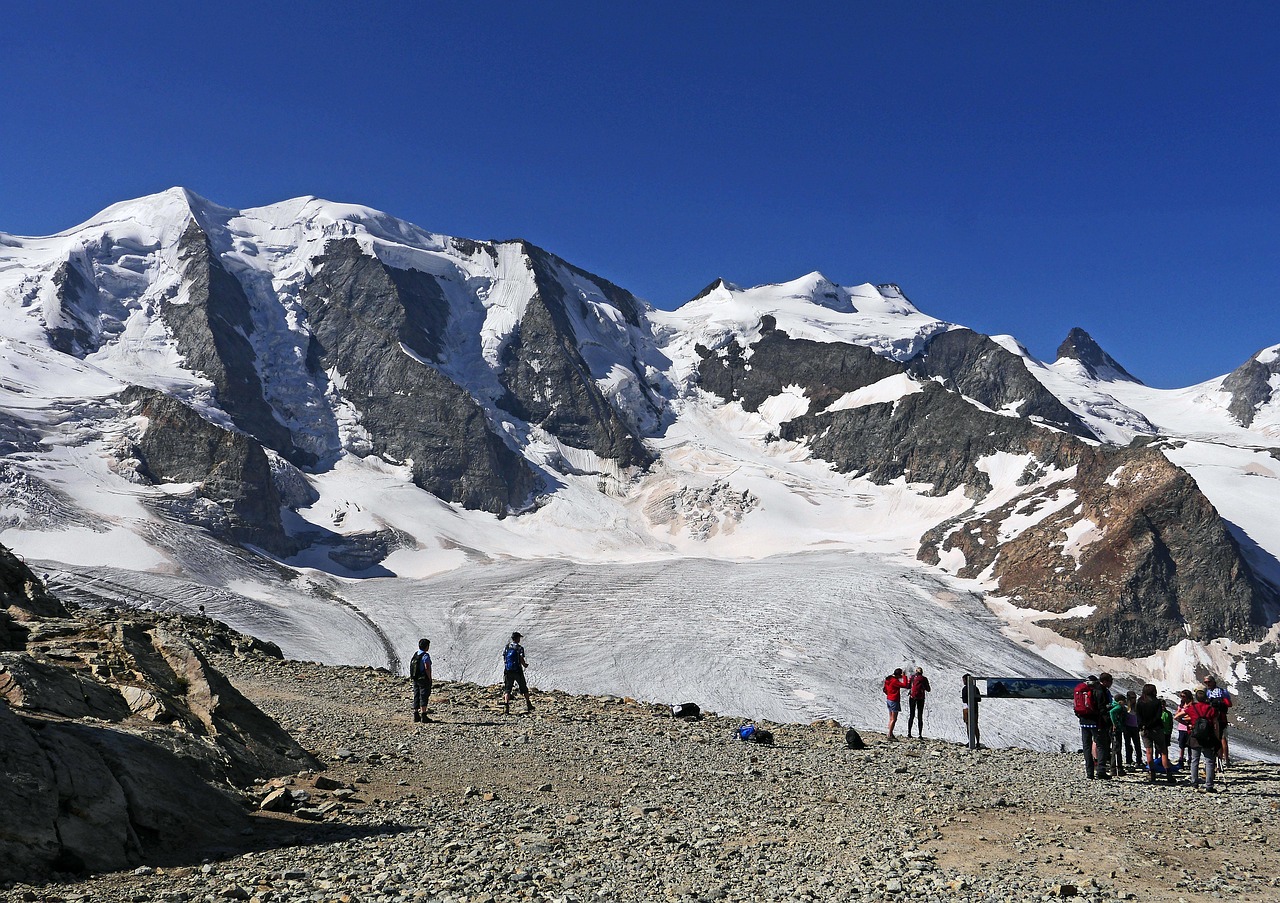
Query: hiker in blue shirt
{"type": "Point", "coordinates": [513, 665]}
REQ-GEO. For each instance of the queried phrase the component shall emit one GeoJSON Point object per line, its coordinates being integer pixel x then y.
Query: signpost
{"type": "Point", "coordinates": [1013, 688]}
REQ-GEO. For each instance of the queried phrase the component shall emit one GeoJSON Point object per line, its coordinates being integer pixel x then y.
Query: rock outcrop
{"type": "Point", "coordinates": [1252, 384]}
{"type": "Point", "coordinates": [117, 737]}
{"type": "Point", "coordinates": [1141, 549]}
{"type": "Point", "coordinates": [235, 497]}
{"type": "Point", "coordinates": [378, 328]}
{"type": "Point", "coordinates": [1080, 346]}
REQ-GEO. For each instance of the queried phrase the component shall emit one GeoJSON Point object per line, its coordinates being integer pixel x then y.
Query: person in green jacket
{"type": "Point", "coordinates": [1117, 715]}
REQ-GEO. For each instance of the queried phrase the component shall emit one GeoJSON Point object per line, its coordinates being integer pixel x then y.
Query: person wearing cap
{"type": "Point", "coordinates": [915, 701]}
{"type": "Point", "coordinates": [1220, 699]}
{"type": "Point", "coordinates": [513, 665]}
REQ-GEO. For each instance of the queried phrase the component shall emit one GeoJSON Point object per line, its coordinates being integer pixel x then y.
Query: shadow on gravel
{"type": "Point", "coordinates": [273, 834]}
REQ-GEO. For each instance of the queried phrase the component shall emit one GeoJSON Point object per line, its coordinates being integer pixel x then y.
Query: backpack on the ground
{"type": "Point", "coordinates": [416, 671]}
{"type": "Point", "coordinates": [1085, 704]}
{"type": "Point", "coordinates": [752, 734]}
{"type": "Point", "coordinates": [853, 740]}
{"type": "Point", "coordinates": [686, 710]}
{"type": "Point", "coordinates": [1203, 733]}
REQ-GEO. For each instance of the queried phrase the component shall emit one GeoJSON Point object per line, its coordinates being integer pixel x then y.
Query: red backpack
{"type": "Point", "coordinates": [1086, 704]}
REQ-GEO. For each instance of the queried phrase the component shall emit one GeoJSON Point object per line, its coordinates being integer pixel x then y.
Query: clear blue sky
{"type": "Point", "coordinates": [1018, 167]}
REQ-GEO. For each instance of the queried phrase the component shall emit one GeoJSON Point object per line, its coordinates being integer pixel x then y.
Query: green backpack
{"type": "Point", "coordinates": [1166, 726]}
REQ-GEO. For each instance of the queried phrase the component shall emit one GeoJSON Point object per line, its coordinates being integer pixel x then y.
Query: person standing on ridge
{"type": "Point", "coordinates": [1156, 725]}
{"type": "Point", "coordinates": [1202, 720]}
{"type": "Point", "coordinates": [894, 684]}
{"type": "Point", "coordinates": [915, 701]}
{"type": "Point", "coordinates": [1089, 710]}
{"type": "Point", "coordinates": [1220, 699]}
{"type": "Point", "coordinates": [1185, 698]}
{"type": "Point", "coordinates": [1132, 732]}
{"type": "Point", "coordinates": [420, 674]}
{"type": "Point", "coordinates": [1117, 714]}
{"type": "Point", "coordinates": [513, 665]}
{"type": "Point", "coordinates": [964, 698]}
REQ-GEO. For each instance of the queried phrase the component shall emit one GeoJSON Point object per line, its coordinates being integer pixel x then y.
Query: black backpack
{"type": "Point", "coordinates": [1203, 733]}
{"type": "Point", "coordinates": [686, 710]}
{"type": "Point", "coordinates": [415, 666]}
{"type": "Point", "coordinates": [853, 740]}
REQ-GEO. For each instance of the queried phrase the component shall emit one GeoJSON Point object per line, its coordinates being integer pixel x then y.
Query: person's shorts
{"type": "Point", "coordinates": [1155, 742]}
{"type": "Point", "coordinates": [514, 676]}
{"type": "Point", "coordinates": [894, 705]}
{"type": "Point", "coordinates": [1183, 738]}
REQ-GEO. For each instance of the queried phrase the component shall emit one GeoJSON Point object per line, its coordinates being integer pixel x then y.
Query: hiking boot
{"type": "Point", "coordinates": [1209, 789]}
{"type": "Point", "coordinates": [417, 716]}
{"type": "Point", "coordinates": [1103, 776]}
{"type": "Point", "coordinates": [1170, 780]}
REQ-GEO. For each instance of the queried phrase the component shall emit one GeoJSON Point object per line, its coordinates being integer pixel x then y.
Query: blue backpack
{"type": "Point", "coordinates": [511, 656]}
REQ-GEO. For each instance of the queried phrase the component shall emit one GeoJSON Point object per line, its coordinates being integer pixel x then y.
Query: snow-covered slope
{"type": "Point", "coordinates": [627, 496]}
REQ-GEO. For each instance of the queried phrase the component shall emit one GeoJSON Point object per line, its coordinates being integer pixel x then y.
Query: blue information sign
{"type": "Point", "coordinates": [1030, 687]}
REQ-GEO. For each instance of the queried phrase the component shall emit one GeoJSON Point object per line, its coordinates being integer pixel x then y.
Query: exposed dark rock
{"type": "Point", "coordinates": [212, 329]}
{"type": "Point", "coordinates": [240, 501]}
{"type": "Point", "coordinates": [547, 381]}
{"type": "Point", "coordinates": [22, 594]}
{"type": "Point", "coordinates": [1160, 565]}
{"type": "Point", "coordinates": [715, 284]}
{"type": "Point", "coordinates": [41, 686]}
{"type": "Point", "coordinates": [1080, 346]}
{"type": "Point", "coordinates": [363, 316]}
{"type": "Point", "coordinates": [75, 333]}
{"type": "Point", "coordinates": [826, 370]}
{"type": "Point", "coordinates": [1250, 387]}
{"type": "Point", "coordinates": [932, 437]}
{"type": "Point", "coordinates": [979, 368]}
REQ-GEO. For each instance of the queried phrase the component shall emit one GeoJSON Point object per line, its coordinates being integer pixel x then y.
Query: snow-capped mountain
{"type": "Point", "coordinates": [340, 431]}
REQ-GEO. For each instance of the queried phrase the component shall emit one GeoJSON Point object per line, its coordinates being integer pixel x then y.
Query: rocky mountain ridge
{"type": "Point", "coordinates": [232, 368]}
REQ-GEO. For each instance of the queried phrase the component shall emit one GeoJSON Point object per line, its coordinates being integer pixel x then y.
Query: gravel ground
{"type": "Point", "coordinates": [598, 798]}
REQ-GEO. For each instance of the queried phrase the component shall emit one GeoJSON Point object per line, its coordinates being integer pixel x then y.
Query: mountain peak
{"type": "Point", "coordinates": [1080, 346]}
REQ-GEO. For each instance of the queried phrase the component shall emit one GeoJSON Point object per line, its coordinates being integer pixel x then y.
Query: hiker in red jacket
{"type": "Point", "coordinates": [919, 685]}
{"type": "Point", "coordinates": [894, 684]}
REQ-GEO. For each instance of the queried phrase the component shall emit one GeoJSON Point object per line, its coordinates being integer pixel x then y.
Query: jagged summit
{"type": "Point", "coordinates": [1080, 346]}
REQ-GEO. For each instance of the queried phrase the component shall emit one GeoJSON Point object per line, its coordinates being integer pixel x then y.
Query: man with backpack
{"type": "Point", "coordinates": [1118, 714]}
{"type": "Point", "coordinates": [1201, 719]}
{"type": "Point", "coordinates": [894, 684]}
{"type": "Point", "coordinates": [919, 685]}
{"type": "Point", "coordinates": [513, 665]}
{"type": "Point", "coordinates": [420, 674]}
{"type": "Point", "coordinates": [1088, 704]}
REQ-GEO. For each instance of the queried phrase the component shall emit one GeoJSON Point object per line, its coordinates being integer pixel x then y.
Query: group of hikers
{"type": "Point", "coordinates": [1116, 729]}
{"type": "Point", "coordinates": [1119, 729]}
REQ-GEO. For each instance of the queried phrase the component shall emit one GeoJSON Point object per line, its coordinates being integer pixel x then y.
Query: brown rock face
{"type": "Point", "coordinates": [1155, 561]}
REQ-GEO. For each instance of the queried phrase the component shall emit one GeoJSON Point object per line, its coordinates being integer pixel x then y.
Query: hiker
{"type": "Point", "coordinates": [1180, 725]}
{"type": "Point", "coordinates": [1132, 732]}
{"type": "Point", "coordinates": [1156, 724]}
{"type": "Point", "coordinates": [894, 684]}
{"type": "Point", "coordinates": [513, 665]}
{"type": "Point", "coordinates": [1117, 714]}
{"type": "Point", "coordinates": [1201, 719]}
{"type": "Point", "coordinates": [1220, 699]}
{"type": "Point", "coordinates": [1088, 706]}
{"type": "Point", "coordinates": [1105, 738]}
{"type": "Point", "coordinates": [420, 674]}
{"type": "Point", "coordinates": [919, 685]}
{"type": "Point", "coordinates": [964, 697]}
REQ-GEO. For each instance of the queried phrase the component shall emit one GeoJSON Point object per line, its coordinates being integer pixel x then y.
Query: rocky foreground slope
{"type": "Point", "coordinates": [600, 798]}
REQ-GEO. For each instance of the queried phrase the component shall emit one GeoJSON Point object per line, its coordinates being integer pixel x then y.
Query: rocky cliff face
{"type": "Point", "coordinates": [117, 738]}
{"type": "Point", "coordinates": [549, 383]}
{"type": "Point", "coordinates": [234, 496]}
{"type": "Point", "coordinates": [1252, 384]}
{"type": "Point", "coordinates": [379, 330]}
{"type": "Point", "coordinates": [1120, 533]}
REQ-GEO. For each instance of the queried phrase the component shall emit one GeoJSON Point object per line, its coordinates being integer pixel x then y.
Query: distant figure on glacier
{"type": "Point", "coordinates": [919, 685]}
{"type": "Point", "coordinates": [894, 684]}
{"type": "Point", "coordinates": [513, 665]}
{"type": "Point", "coordinates": [420, 674]}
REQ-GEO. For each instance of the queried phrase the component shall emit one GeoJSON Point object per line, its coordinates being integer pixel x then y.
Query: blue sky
{"type": "Point", "coordinates": [1017, 167]}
